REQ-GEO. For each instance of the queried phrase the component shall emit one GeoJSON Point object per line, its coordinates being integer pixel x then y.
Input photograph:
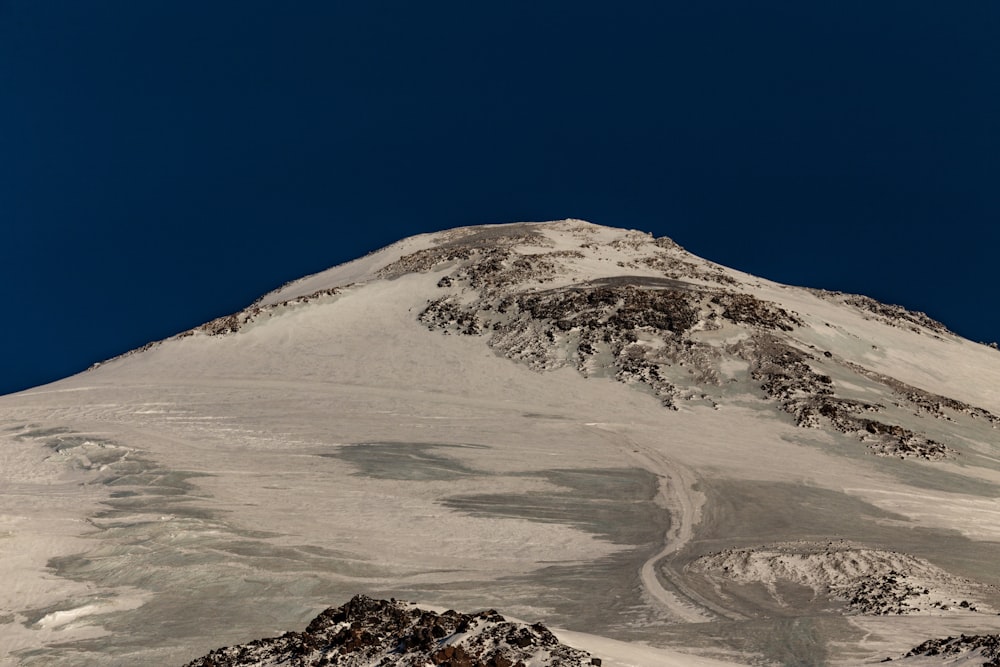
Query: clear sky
{"type": "Point", "coordinates": [164, 162]}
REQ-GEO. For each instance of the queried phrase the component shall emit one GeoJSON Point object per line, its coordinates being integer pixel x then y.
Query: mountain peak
{"type": "Point", "coordinates": [622, 304]}
{"type": "Point", "coordinates": [574, 423]}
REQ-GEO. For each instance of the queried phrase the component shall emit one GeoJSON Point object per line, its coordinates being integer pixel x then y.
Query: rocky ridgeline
{"type": "Point", "coordinates": [392, 633]}
{"type": "Point", "coordinates": [924, 402]}
{"type": "Point", "coordinates": [230, 324]}
{"type": "Point", "coordinates": [868, 581]}
{"type": "Point", "coordinates": [489, 247]}
{"type": "Point", "coordinates": [233, 323]}
{"type": "Point", "coordinates": [786, 375]}
{"type": "Point", "coordinates": [632, 327]}
{"type": "Point", "coordinates": [986, 646]}
{"type": "Point", "coordinates": [677, 268]}
{"type": "Point", "coordinates": [892, 315]}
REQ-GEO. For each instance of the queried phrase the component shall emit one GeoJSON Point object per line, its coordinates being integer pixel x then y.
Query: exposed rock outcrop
{"type": "Point", "coordinates": [985, 647]}
{"type": "Point", "coordinates": [645, 330]}
{"type": "Point", "coordinates": [890, 314]}
{"type": "Point", "coordinates": [392, 633]}
{"type": "Point", "coordinates": [785, 375]}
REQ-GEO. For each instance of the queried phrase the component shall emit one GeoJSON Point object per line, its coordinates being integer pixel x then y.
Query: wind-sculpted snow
{"type": "Point", "coordinates": [392, 633]}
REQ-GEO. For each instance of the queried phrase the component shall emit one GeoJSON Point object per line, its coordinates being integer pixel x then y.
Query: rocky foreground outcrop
{"type": "Point", "coordinates": [393, 633]}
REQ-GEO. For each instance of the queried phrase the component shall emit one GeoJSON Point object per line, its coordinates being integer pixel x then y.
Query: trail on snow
{"type": "Point", "coordinates": [678, 496]}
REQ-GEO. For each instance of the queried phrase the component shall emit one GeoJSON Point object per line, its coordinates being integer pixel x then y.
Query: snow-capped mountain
{"type": "Point", "coordinates": [669, 461]}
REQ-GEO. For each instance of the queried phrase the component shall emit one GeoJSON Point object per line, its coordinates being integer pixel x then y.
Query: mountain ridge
{"type": "Point", "coordinates": [624, 304]}
{"type": "Point", "coordinates": [567, 422]}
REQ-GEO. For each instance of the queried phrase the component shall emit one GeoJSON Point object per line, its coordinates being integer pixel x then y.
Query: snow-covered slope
{"type": "Point", "coordinates": [565, 422]}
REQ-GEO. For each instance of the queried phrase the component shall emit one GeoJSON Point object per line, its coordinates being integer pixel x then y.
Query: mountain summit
{"type": "Point", "coordinates": [673, 461]}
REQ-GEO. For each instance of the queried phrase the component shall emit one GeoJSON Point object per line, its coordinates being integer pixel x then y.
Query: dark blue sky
{"type": "Point", "coordinates": [166, 162]}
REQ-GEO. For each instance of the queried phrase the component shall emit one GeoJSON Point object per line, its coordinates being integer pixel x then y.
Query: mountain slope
{"type": "Point", "coordinates": [562, 421]}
